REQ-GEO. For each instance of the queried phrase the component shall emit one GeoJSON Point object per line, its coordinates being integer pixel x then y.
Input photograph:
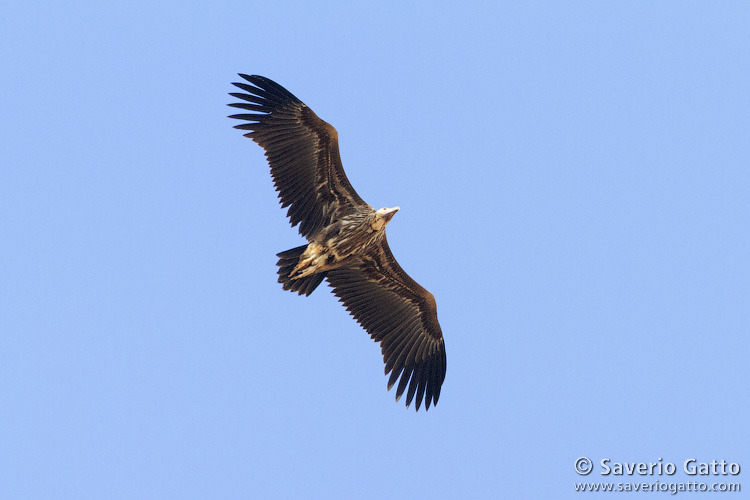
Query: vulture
{"type": "Point", "coordinates": [346, 243]}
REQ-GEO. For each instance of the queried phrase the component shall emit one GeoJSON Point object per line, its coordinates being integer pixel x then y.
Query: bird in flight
{"type": "Point", "coordinates": [346, 242]}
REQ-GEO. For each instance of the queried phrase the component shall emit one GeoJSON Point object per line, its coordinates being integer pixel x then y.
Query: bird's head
{"type": "Point", "coordinates": [383, 217]}
{"type": "Point", "coordinates": [388, 213]}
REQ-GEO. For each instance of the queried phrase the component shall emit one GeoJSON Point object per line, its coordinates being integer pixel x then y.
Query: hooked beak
{"type": "Point", "coordinates": [388, 214]}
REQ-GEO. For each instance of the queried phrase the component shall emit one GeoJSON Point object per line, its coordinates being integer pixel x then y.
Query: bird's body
{"type": "Point", "coordinates": [346, 239]}
{"type": "Point", "coordinates": [342, 242]}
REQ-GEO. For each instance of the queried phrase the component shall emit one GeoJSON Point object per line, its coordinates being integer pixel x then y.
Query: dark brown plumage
{"type": "Point", "coordinates": [346, 239]}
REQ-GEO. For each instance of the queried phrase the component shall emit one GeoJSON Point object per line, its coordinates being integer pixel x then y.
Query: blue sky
{"type": "Point", "coordinates": [574, 183]}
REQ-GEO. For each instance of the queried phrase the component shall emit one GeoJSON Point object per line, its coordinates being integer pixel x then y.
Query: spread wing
{"type": "Point", "coordinates": [397, 312]}
{"type": "Point", "coordinates": [303, 152]}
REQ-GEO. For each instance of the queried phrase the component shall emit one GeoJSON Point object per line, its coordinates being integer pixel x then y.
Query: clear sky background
{"type": "Point", "coordinates": [574, 183]}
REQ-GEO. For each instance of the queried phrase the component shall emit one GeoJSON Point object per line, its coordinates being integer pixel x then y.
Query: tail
{"type": "Point", "coordinates": [287, 261]}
